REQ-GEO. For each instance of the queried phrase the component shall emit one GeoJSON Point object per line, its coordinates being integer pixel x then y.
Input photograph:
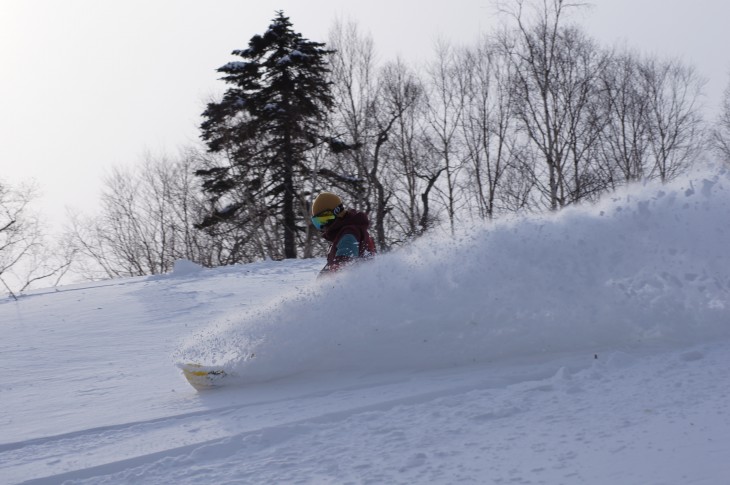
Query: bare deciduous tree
{"type": "Point", "coordinates": [26, 257]}
{"type": "Point", "coordinates": [488, 129]}
{"type": "Point", "coordinates": [354, 88]}
{"type": "Point", "coordinates": [447, 77]}
{"type": "Point", "coordinates": [146, 222]}
{"type": "Point", "coordinates": [369, 102]}
{"type": "Point", "coordinates": [555, 72]}
{"type": "Point", "coordinates": [625, 138]}
{"type": "Point", "coordinates": [720, 133]}
{"type": "Point", "coordinates": [674, 92]}
{"type": "Point", "coordinates": [413, 170]}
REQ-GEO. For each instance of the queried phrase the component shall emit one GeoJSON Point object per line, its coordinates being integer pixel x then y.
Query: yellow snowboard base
{"type": "Point", "coordinates": [203, 377]}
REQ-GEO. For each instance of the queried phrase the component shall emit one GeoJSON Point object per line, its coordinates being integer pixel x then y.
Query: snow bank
{"type": "Point", "coordinates": [648, 265]}
{"type": "Point", "coordinates": [183, 267]}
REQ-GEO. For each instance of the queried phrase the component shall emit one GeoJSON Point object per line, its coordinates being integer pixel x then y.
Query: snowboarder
{"type": "Point", "coordinates": [346, 229]}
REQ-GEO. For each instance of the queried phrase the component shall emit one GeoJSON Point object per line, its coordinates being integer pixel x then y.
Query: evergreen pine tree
{"type": "Point", "coordinates": [267, 120]}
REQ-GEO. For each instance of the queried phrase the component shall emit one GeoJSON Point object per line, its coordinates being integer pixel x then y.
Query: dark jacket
{"type": "Point", "coordinates": [350, 240]}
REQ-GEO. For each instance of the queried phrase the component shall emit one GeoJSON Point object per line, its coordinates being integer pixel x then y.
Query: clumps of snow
{"type": "Point", "coordinates": [234, 66]}
{"type": "Point", "coordinates": [183, 267]}
{"type": "Point", "coordinates": [295, 55]}
{"type": "Point", "coordinates": [646, 266]}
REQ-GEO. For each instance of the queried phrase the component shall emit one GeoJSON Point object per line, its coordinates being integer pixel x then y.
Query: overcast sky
{"type": "Point", "coordinates": [89, 84]}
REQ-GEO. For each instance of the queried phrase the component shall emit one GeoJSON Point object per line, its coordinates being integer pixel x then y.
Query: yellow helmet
{"type": "Point", "coordinates": [326, 208]}
{"type": "Point", "coordinates": [327, 201]}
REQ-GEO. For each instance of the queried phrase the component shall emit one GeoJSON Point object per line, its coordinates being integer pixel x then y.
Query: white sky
{"type": "Point", "coordinates": [89, 84]}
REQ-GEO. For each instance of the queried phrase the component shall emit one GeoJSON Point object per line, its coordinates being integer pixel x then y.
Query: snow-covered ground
{"type": "Point", "coordinates": [591, 346]}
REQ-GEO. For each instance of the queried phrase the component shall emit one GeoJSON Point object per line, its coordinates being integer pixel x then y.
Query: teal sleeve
{"type": "Point", "coordinates": [348, 247]}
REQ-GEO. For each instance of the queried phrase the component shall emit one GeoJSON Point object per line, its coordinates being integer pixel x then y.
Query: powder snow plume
{"type": "Point", "coordinates": [647, 265]}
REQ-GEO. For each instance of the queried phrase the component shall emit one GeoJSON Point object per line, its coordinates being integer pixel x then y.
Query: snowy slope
{"type": "Point", "coordinates": [591, 346]}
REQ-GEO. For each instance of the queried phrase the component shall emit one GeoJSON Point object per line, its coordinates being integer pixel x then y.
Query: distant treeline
{"type": "Point", "coordinates": [536, 116]}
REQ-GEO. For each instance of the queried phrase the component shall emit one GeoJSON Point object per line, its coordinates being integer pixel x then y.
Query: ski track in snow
{"type": "Point", "coordinates": [581, 426]}
{"type": "Point", "coordinates": [617, 374]}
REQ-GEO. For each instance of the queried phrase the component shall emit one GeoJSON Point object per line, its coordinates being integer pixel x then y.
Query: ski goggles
{"type": "Point", "coordinates": [322, 219]}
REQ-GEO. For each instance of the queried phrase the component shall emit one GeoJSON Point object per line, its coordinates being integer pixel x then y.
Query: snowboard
{"type": "Point", "coordinates": [203, 377]}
